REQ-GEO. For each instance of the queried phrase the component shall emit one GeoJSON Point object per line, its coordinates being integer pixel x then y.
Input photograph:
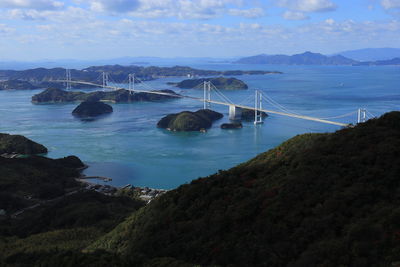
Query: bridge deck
{"type": "Point", "coordinates": [216, 102]}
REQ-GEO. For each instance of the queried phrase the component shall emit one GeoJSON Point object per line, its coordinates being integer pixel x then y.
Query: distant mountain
{"type": "Point", "coordinates": [307, 58]}
{"type": "Point", "coordinates": [372, 54]}
{"type": "Point", "coordinates": [80, 64]}
{"type": "Point", "coordinates": [394, 61]}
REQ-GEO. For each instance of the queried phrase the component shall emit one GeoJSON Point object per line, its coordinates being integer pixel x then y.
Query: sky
{"type": "Point", "coordinates": [100, 29]}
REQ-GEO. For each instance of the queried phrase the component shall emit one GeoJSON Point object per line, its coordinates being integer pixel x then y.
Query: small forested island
{"type": "Point", "coordinates": [56, 95]}
{"type": "Point", "coordinates": [232, 125]}
{"type": "Point", "coordinates": [218, 82]}
{"type": "Point", "coordinates": [91, 109]}
{"type": "Point", "coordinates": [14, 145]}
{"type": "Point", "coordinates": [248, 114]}
{"type": "Point", "coordinates": [315, 200]}
{"type": "Point", "coordinates": [189, 121]}
{"type": "Point", "coordinates": [16, 85]}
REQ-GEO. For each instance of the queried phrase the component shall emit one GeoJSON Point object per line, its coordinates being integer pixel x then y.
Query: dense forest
{"type": "Point", "coordinates": [315, 200]}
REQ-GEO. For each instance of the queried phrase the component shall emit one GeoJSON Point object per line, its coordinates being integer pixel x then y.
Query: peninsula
{"type": "Point", "coordinates": [14, 145]}
{"type": "Point", "coordinates": [219, 83]}
{"type": "Point", "coordinates": [55, 95]}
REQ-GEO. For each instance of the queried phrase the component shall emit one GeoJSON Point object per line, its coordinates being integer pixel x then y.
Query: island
{"type": "Point", "coordinates": [218, 82]}
{"type": "Point", "coordinates": [189, 121]}
{"type": "Point", "coordinates": [15, 145]}
{"type": "Point", "coordinates": [232, 125]}
{"type": "Point", "coordinates": [389, 62]}
{"type": "Point", "coordinates": [56, 95]}
{"type": "Point", "coordinates": [16, 85]}
{"type": "Point", "coordinates": [249, 114]}
{"type": "Point", "coordinates": [118, 73]}
{"type": "Point", "coordinates": [91, 109]}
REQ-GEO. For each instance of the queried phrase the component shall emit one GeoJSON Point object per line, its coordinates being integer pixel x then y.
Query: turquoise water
{"type": "Point", "coordinates": [128, 147]}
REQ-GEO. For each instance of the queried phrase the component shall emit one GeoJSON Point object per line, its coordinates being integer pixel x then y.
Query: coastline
{"type": "Point", "coordinates": [145, 194]}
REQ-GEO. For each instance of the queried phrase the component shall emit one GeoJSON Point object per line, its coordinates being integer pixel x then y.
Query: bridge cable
{"type": "Point", "coordinates": [279, 106]}
{"type": "Point", "coordinates": [372, 115]}
{"type": "Point", "coordinates": [219, 92]}
{"type": "Point", "coordinates": [246, 100]}
{"type": "Point", "coordinates": [340, 116]}
{"type": "Point", "coordinates": [276, 104]}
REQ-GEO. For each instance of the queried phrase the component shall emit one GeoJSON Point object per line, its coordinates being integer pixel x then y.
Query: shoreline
{"type": "Point", "coordinates": [145, 193]}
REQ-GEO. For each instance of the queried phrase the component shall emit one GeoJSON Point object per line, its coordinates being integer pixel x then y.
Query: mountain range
{"type": "Point", "coordinates": [351, 57]}
{"type": "Point", "coordinates": [309, 58]}
{"type": "Point", "coordinates": [372, 54]}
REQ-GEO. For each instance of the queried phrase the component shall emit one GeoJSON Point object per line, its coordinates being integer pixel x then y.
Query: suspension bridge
{"type": "Point", "coordinates": [235, 110]}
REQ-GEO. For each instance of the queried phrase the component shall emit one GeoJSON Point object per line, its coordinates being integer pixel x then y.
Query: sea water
{"type": "Point", "coordinates": [128, 147]}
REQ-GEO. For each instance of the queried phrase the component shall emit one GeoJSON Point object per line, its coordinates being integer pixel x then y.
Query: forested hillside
{"type": "Point", "coordinates": [316, 200]}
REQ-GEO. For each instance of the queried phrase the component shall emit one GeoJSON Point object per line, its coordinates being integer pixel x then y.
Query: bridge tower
{"type": "Point", "coordinates": [105, 79]}
{"type": "Point", "coordinates": [68, 78]}
{"type": "Point", "coordinates": [361, 115]}
{"type": "Point", "coordinates": [131, 78]}
{"type": "Point", "coordinates": [207, 95]}
{"type": "Point", "coordinates": [258, 107]}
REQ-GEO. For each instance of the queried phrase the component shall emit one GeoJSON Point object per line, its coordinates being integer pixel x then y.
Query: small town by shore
{"type": "Point", "coordinates": [146, 194]}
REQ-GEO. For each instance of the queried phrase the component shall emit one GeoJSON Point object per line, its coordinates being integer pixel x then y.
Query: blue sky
{"type": "Point", "coordinates": [98, 29]}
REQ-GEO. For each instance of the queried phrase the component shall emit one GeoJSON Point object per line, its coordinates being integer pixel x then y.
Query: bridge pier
{"type": "Point", "coordinates": [361, 115]}
{"type": "Point", "coordinates": [235, 113]}
{"type": "Point", "coordinates": [258, 119]}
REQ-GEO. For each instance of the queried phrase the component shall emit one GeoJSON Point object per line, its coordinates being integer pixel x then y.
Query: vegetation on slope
{"type": "Point", "coordinates": [48, 217]}
{"type": "Point", "coordinates": [25, 181]}
{"type": "Point", "coordinates": [189, 121]}
{"type": "Point", "coordinates": [18, 144]}
{"type": "Point", "coordinates": [315, 200]}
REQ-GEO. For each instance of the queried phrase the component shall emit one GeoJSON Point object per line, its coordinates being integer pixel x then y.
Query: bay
{"type": "Point", "coordinates": [128, 147]}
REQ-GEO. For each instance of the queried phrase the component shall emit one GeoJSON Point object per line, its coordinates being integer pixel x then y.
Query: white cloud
{"type": "Point", "coordinates": [330, 21]}
{"type": "Point", "coordinates": [117, 6]}
{"type": "Point", "coordinates": [30, 14]}
{"type": "Point", "coordinates": [307, 5]}
{"type": "Point", "coordinates": [4, 29]}
{"type": "Point", "coordinates": [390, 4]}
{"type": "Point", "coordinates": [247, 13]}
{"type": "Point", "coordinates": [182, 9]}
{"type": "Point", "coordinates": [294, 15]}
{"type": "Point", "coordinates": [31, 4]}
{"type": "Point", "coordinates": [74, 14]}
{"type": "Point", "coordinates": [96, 37]}
{"type": "Point", "coordinates": [78, 29]}
{"type": "Point", "coordinates": [186, 9]}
